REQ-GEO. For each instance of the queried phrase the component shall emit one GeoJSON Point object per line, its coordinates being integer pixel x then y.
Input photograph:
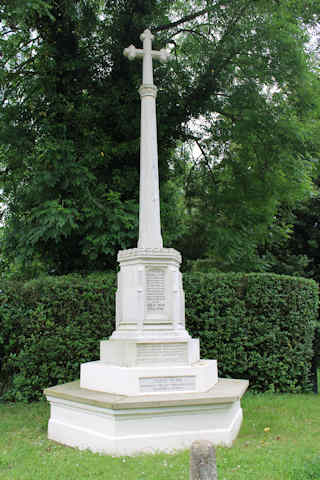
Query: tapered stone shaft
{"type": "Point", "coordinates": [149, 211]}
{"type": "Point", "coordinates": [149, 202]}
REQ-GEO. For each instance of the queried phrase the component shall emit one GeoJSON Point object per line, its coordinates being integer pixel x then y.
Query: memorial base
{"type": "Point", "coordinates": [127, 425]}
{"type": "Point", "coordinates": [103, 377]}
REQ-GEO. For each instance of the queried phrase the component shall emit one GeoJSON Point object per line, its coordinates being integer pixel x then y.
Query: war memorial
{"type": "Point", "coordinates": [150, 391]}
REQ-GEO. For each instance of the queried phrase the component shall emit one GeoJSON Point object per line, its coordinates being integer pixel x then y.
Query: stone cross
{"type": "Point", "coordinates": [149, 202]}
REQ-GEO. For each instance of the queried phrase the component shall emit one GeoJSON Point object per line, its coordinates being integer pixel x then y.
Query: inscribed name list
{"type": "Point", "coordinates": [162, 353]}
{"type": "Point", "coordinates": [155, 295]}
{"type": "Point", "coordinates": [167, 384]}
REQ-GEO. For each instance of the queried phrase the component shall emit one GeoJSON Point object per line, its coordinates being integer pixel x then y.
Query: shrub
{"type": "Point", "coordinates": [49, 327]}
{"type": "Point", "coordinates": [258, 326]}
{"type": "Point", "coordinates": [316, 359]}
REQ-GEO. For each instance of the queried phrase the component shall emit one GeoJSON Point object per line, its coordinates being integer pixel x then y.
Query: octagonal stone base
{"type": "Point", "coordinates": [198, 377]}
{"type": "Point", "coordinates": [126, 425]}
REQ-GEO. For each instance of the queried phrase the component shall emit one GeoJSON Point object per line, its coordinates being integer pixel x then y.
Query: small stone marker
{"type": "Point", "coordinates": [203, 461]}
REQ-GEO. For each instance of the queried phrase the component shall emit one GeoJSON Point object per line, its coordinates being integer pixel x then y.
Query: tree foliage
{"type": "Point", "coordinates": [69, 124]}
{"type": "Point", "coordinates": [299, 253]}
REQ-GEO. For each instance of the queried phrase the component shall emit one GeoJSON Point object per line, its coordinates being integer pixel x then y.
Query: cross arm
{"type": "Point", "coordinates": [132, 52]}
{"type": "Point", "coordinates": [162, 55]}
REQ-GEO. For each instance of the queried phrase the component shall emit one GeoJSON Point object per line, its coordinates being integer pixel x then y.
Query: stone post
{"type": "Point", "coordinates": [203, 461]}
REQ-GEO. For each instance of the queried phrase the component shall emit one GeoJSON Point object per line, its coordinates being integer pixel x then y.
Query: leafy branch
{"type": "Point", "coordinates": [182, 20]}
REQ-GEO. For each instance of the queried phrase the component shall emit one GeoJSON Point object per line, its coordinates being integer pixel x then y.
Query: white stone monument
{"type": "Point", "coordinates": [149, 390]}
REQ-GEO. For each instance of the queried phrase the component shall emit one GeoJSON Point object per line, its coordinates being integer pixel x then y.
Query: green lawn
{"type": "Point", "coordinates": [279, 439]}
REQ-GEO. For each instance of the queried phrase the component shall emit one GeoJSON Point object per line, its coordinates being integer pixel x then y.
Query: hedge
{"type": "Point", "coordinates": [48, 327]}
{"type": "Point", "coordinates": [258, 326]}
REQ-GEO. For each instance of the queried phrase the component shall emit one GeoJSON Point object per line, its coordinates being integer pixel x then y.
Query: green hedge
{"type": "Point", "coordinates": [258, 326]}
{"type": "Point", "coordinates": [48, 327]}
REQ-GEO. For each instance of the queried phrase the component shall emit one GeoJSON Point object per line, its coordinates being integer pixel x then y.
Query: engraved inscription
{"type": "Point", "coordinates": [167, 384]}
{"type": "Point", "coordinates": [155, 292]}
{"type": "Point", "coordinates": [162, 353]}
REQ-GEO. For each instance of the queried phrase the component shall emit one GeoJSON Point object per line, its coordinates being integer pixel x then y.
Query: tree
{"type": "Point", "coordinates": [259, 144]}
{"type": "Point", "coordinates": [69, 126]}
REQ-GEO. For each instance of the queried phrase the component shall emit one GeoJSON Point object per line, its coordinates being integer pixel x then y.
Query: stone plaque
{"type": "Point", "coordinates": [167, 384]}
{"type": "Point", "coordinates": [155, 291]}
{"type": "Point", "coordinates": [162, 353]}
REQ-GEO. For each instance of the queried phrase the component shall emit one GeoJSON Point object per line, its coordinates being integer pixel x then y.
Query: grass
{"type": "Point", "coordinates": [279, 440]}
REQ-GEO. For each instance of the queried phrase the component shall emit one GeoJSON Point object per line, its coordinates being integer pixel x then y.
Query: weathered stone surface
{"type": "Point", "coordinates": [203, 461]}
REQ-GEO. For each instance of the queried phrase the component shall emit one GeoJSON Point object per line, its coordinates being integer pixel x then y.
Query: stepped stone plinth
{"type": "Point", "coordinates": [127, 425]}
{"type": "Point", "coordinates": [150, 336]}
